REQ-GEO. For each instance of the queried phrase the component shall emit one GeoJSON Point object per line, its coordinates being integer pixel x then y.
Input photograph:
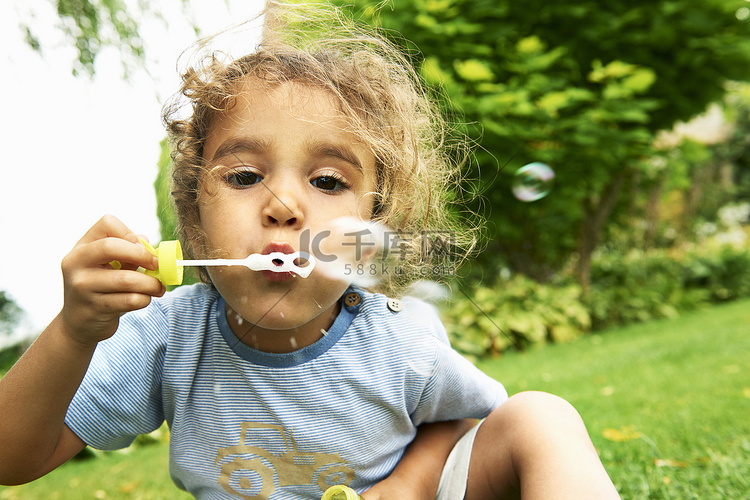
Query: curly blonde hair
{"type": "Point", "coordinates": [380, 94]}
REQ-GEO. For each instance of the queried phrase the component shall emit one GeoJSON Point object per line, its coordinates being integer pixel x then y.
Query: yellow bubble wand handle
{"type": "Point", "coordinates": [168, 253]}
{"type": "Point", "coordinates": [340, 492]}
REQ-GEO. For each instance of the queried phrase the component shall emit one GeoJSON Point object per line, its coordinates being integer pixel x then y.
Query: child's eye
{"type": "Point", "coordinates": [242, 178]}
{"type": "Point", "coordinates": [330, 183]}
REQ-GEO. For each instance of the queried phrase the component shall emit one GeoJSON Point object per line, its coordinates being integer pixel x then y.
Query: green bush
{"type": "Point", "coordinates": [724, 275]}
{"type": "Point", "coordinates": [638, 286]}
{"type": "Point", "coordinates": [8, 357]}
{"type": "Point", "coordinates": [514, 313]}
{"type": "Point", "coordinates": [629, 287]}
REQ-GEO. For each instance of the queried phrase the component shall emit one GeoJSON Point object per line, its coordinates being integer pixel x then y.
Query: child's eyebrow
{"type": "Point", "coordinates": [340, 151]}
{"type": "Point", "coordinates": [235, 145]}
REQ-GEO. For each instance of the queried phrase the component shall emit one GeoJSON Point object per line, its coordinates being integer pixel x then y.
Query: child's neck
{"type": "Point", "coordinates": [282, 341]}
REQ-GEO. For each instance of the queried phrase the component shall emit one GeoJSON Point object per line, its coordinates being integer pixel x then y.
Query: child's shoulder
{"type": "Point", "coordinates": [404, 314]}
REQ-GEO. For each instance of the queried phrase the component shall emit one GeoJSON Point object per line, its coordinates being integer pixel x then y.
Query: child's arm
{"type": "Point", "coordinates": [36, 392]}
{"type": "Point", "coordinates": [417, 475]}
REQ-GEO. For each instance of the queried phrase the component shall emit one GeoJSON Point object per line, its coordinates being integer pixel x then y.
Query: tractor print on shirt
{"type": "Point", "coordinates": [254, 473]}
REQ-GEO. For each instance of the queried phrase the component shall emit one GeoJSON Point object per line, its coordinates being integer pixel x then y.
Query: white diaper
{"type": "Point", "coordinates": [456, 470]}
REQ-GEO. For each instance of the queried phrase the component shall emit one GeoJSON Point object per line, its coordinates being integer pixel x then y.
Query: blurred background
{"type": "Point", "coordinates": [611, 161]}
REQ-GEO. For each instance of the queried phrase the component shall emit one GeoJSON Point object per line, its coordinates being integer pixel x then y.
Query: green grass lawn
{"type": "Point", "coordinates": [139, 473]}
{"type": "Point", "coordinates": [667, 404]}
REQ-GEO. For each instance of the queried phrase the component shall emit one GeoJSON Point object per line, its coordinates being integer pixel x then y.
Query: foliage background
{"type": "Point", "coordinates": [583, 87]}
{"type": "Point", "coordinates": [589, 89]}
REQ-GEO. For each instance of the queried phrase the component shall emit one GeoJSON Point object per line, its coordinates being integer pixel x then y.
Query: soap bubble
{"type": "Point", "coordinates": [428, 291]}
{"type": "Point", "coordinates": [368, 253]}
{"type": "Point", "coordinates": [533, 182]}
{"type": "Point", "coordinates": [346, 250]}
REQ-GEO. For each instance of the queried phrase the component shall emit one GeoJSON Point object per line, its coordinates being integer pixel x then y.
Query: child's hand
{"type": "Point", "coordinates": [393, 487]}
{"type": "Point", "coordinates": [96, 295]}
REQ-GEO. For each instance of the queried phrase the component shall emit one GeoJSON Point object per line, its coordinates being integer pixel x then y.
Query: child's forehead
{"type": "Point", "coordinates": [274, 113]}
{"type": "Point", "coordinates": [311, 103]}
{"type": "Point", "coordinates": [253, 91]}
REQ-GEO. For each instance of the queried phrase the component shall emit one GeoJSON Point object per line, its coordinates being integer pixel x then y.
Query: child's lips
{"type": "Point", "coordinates": [284, 248]}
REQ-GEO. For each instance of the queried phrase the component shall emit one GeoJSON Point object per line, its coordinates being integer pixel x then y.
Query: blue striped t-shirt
{"type": "Point", "coordinates": [250, 424]}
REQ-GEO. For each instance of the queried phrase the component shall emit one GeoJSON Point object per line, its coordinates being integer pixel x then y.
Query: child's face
{"type": "Point", "coordinates": [286, 165]}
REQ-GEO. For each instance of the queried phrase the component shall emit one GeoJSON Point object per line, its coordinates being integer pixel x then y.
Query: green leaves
{"type": "Point", "coordinates": [636, 286]}
{"type": "Point", "coordinates": [595, 79]}
{"type": "Point", "coordinates": [432, 73]}
{"type": "Point", "coordinates": [514, 314]}
{"type": "Point", "coordinates": [621, 80]}
{"type": "Point", "coordinates": [553, 102]}
{"type": "Point", "coordinates": [165, 209]}
{"type": "Point", "coordinates": [93, 25]}
{"type": "Point", "coordinates": [10, 314]}
{"type": "Point", "coordinates": [473, 70]}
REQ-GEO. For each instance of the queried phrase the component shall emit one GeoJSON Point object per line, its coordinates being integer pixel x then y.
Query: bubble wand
{"type": "Point", "coordinates": [171, 263]}
{"type": "Point", "coordinates": [340, 492]}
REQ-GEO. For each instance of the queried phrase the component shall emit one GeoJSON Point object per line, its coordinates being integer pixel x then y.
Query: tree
{"type": "Point", "coordinates": [582, 87]}
{"type": "Point", "coordinates": [10, 314]}
{"type": "Point", "coordinates": [90, 26]}
{"type": "Point", "coordinates": [736, 150]}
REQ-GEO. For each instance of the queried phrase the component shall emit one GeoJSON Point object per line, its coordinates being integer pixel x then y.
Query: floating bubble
{"type": "Point", "coordinates": [428, 291]}
{"type": "Point", "coordinates": [347, 250]}
{"type": "Point", "coordinates": [367, 253]}
{"type": "Point", "coordinates": [533, 182]}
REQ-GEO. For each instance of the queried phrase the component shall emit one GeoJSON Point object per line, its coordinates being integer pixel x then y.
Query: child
{"type": "Point", "coordinates": [275, 386]}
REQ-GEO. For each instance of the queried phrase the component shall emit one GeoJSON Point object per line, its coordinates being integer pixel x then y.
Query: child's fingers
{"type": "Point", "coordinates": [103, 308]}
{"type": "Point", "coordinates": [95, 298]}
{"type": "Point", "coordinates": [96, 316]}
{"type": "Point", "coordinates": [121, 303]}
{"type": "Point", "coordinates": [100, 252]}
{"type": "Point", "coordinates": [107, 281]}
{"type": "Point", "coordinates": [95, 293]}
{"type": "Point", "coordinates": [130, 255]}
{"type": "Point", "coordinates": [85, 287]}
{"type": "Point", "coordinates": [110, 240]}
{"type": "Point", "coordinates": [109, 226]}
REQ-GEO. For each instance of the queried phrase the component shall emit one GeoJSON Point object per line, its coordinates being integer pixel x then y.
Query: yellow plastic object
{"type": "Point", "coordinates": [340, 492]}
{"type": "Point", "coordinates": [168, 252]}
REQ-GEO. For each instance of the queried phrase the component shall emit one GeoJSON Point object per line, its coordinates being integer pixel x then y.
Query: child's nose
{"type": "Point", "coordinates": [282, 209]}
